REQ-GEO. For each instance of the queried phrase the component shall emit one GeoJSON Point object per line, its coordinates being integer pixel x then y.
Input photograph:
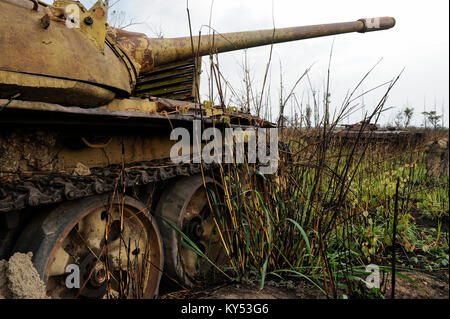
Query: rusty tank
{"type": "Point", "coordinates": [86, 112]}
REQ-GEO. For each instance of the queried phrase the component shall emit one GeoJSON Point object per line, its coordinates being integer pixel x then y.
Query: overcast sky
{"type": "Point", "coordinates": [419, 43]}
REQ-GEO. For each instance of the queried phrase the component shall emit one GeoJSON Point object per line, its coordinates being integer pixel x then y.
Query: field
{"type": "Point", "coordinates": [335, 207]}
{"type": "Point", "coordinates": [343, 213]}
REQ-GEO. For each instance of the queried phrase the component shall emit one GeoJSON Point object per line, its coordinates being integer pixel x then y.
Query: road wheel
{"type": "Point", "coordinates": [185, 204]}
{"type": "Point", "coordinates": [114, 242]}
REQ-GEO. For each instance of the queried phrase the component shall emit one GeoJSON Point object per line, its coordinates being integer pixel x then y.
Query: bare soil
{"type": "Point", "coordinates": [422, 287]}
{"type": "Point", "coordinates": [272, 290]}
{"type": "Point", "coordinates": [248, 291]}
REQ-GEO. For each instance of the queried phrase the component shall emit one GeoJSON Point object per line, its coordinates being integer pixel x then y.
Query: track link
{"type": "Point", "coordinates": [51, 188]}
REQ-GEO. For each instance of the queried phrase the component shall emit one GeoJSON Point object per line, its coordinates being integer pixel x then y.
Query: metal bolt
{"type": "Point", "coordinates": [45, 21]}
{"type": "Point", "coordinates": [198, 230]}
{"type": "Point", "coordinates": [88, 20]}
{"type": "Point", "coordinates": [99, 275]}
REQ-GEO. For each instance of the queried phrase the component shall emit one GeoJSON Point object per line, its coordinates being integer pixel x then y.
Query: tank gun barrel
{"type": "Point", "coordinates": [151, 52]}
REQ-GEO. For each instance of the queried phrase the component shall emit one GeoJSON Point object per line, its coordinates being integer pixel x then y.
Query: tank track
{"type": "Point", "coordinates": [51, 188]}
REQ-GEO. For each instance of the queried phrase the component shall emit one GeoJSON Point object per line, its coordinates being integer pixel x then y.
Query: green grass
{"type": "Point", "coordinates": [328, 214]}
{"type": "Point", "coordinates": [324, 220]}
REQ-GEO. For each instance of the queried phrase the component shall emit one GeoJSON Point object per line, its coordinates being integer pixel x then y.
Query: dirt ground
{"type": "Point", "coordinates": [250, 291]}
{"type": "Point", "coordinates": [424, 287]}
{"type": "Point", "coordinates": [19, 279]}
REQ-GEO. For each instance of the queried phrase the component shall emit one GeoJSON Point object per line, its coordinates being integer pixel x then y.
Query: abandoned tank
{"type": "Point", "coordinates": [86, 112]}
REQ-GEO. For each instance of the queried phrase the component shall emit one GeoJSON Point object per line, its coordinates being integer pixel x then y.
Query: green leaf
{"type": "Point", "coordinates": [193, 245]}
{"type": "Point", "coordinates": [302, 231]}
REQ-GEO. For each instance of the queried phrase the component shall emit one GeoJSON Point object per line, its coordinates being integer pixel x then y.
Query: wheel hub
{"type": "Point", "coordinates": [93, 273]}
{"type": "Point", "coordinates": [185, 204]}
{"type": "Point", "coordinates": [98, 277]}
{"type": "Point", "coordinates": [194, 229]}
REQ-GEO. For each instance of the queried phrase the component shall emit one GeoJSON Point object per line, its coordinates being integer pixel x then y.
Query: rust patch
{"type": "Point", "coordinates": [45, 21]}
{"type": "Point", "coordinates": [99, 13]}
{"type": "Point", "coordinates": [148, 58]}
{"type": "Point", "coordinates": [28, 151]}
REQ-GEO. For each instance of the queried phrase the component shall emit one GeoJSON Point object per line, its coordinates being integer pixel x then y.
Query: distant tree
{"type": "Point", "coordinates": [398, 120]}
{"type": "Point", "coordinates": [118, 19]}
{"type": "Point", "coordinates": [296, 121]}
{"type": "Point", "coordinates": [308, 116]}
{"type": "Point", "coordinates": [408, 114]}
{"type": "Point", "coordinates": [433, 118]}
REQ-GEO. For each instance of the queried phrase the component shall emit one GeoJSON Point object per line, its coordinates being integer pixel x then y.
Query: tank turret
{"type": "Point", "coordinates": [68, 55]}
